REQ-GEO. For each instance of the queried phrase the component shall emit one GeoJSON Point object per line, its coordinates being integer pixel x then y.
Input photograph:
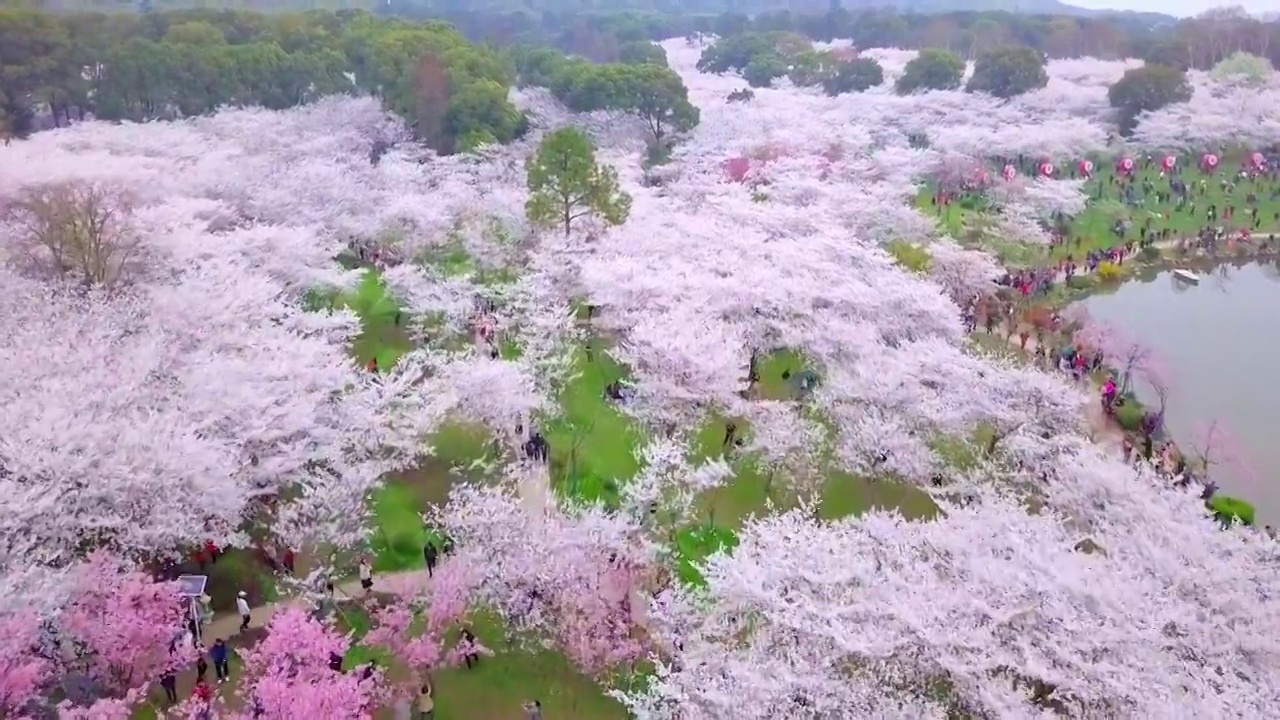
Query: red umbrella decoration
{"type": "Point", "coordinates": [1046, 169]}
{"type": "Point", "coordinates": [1259, 160]}
{"type": "Point", "coordinates": [1086, 168]}
{"type": "Point", "coordinates": [1126, 165]}
{"type": "Point", "coordinates": [1009, 172]}
{"type": "Point", "coordinates": [1209, 162]}
{"type": "Point", "coordinates": [1168, 163]}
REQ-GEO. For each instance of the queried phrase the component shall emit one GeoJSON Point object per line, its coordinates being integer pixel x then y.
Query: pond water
{"type": "Point", "coordinates": [1219, 340]}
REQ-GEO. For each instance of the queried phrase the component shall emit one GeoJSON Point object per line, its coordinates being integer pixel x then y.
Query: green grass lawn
{"type": "Point", "coordinates": [593, 443]}
{"type": "Point", "coordinates": [1094, 226]}
{"type": "Point", "coordinates": [498, 685]}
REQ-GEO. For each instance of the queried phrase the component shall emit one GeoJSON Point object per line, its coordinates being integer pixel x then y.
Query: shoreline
{"type": "Point", "coordinates": [1106, 429]}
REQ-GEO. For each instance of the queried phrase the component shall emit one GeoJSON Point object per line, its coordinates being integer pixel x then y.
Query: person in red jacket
{"type": "Point", "coordinates": [202, 692]}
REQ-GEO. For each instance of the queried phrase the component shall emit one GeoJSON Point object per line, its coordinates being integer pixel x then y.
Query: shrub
{"type": "Point", "coordinates": [1110, 272]}
{"type": "Point", "coordinates": [1229, 509]}
{"type": "Point", "coordinates": [1149, 254]}
{"type": "Point", "coordinates": [1129, 415]}
{"type": "Point", "coordinates": [912, 257]}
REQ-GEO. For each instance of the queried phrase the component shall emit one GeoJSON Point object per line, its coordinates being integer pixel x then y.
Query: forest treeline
{"type": "Point", "coordinates": [58, 68]}
{"type": "Point", "coordinates": [449, 73]}
{"type": "Point", "coordinates": [156, 65]}
{"type": "Point", "coordinates": [1199, 42]}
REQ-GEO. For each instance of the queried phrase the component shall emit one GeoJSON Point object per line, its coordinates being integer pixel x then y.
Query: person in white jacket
{"type": "Point", "coordinates": [242, 606]}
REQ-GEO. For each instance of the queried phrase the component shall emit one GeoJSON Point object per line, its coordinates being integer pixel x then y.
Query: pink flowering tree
{"type": "Point", "coordinates": [1126, 355]}
{"type": "Point", "coordinates": [113, 634]}
{"type": "Point", "coordinates": [1214, 447]}
{"type": "Point", "coordinates": [288, 675]}
{"type": "Point", "coordinates": [24, 671]}
{"type": "Point", "coordinates": [413, 627]}
{"type": "Point", "coordinates": [123, 624]}
{"type": "Point", "coordinates": [568, 576]}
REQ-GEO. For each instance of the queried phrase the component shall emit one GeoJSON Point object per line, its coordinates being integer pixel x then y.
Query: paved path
{"type": "Point", "coordinates": [535, 494]}
{"type": "Point", "coordinates": [227, 625]}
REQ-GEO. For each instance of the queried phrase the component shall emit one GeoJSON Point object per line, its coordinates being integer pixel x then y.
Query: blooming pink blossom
{"type": "Point", "coordinates": [23, 673]}
{"type": "Point", "coordinates": [287, 674]}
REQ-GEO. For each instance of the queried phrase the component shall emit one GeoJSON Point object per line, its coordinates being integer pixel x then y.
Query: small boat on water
{"type": "Point", "coordinates": [1187, 276]}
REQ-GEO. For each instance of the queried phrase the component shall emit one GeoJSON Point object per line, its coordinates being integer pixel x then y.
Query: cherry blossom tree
{"type": "Point", "coordinates": [287, 674]}
{"type": "Point", "coordinates": [112, 633]}
{"type": "Point", "coordinates": [24, 672]}
{"type": "Point", "coordinates": [569, 576]}
{"type": "Point", "coordinates": [853, 618]}
{"type": "Point", "coordinates": [665, 491]}
{"type": "Point", "coordinates": [962, 272]}
{"type": "Point", "coordinates": [422, 646]}
{"type": "Point", "coordinates": [1215, 448]}
{"type": "Point", "coordinates": [1127, 356]}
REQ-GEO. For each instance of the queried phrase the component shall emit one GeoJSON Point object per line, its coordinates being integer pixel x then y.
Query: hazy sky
{"type": "Point", "coordinates": [1177, 7]}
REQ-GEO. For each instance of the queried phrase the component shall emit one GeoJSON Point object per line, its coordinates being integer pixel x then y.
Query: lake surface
{"type": "Point", "coordinates": [1219, 341]}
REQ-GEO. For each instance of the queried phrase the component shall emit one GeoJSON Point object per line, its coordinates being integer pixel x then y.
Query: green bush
{"type": "Point", "coordinates": [1129, 415]}
{"type": "Point", "coordinates": [1229, 509]}
{"type": "Point", "coordinates": [1110, 272]}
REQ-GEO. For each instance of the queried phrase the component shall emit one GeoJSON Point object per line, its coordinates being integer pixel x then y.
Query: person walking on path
{"type": "Point", "coordinates": [533, 710]}
{"type": "Point", "coordinates": [431, 555]}
{"type": "Point", "coordinates": [242, 607]}
{"type": "Point", "coordinates": [203, 695]}
{"type": "Point", "coordinates": [426, 703]}
{"type": "Point", "coordinates": [169, 681]}
{"type": "Point", "coordinates": [202, 666]}
{"type": "Point", "coordinates": [366, 575]}
{"type": "Point", "coordinates": [221, 655]}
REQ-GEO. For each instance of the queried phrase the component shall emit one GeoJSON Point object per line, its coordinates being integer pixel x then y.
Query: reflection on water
{"type": "Point", "coordinates": [1220, 341]}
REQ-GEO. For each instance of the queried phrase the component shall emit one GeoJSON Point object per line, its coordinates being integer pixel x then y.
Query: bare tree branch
{"type": "Point", "coordinates": [79, 231]}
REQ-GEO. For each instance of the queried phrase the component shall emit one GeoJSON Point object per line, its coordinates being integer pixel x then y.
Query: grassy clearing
{"type": "Point", "coordinates": [755, 490]}
{"type": "Point", "coordinates": [1094, 227]}
{"type": "Point", "coordinates": [499, 685]}
{"type": "Point", "coordinates": [384, 335]}
{"type": "Point", "coordinates": [593, 443]}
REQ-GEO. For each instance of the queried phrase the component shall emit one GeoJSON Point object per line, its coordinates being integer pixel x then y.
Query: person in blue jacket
{"type": "Point", "coordinates": [221, 655]}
